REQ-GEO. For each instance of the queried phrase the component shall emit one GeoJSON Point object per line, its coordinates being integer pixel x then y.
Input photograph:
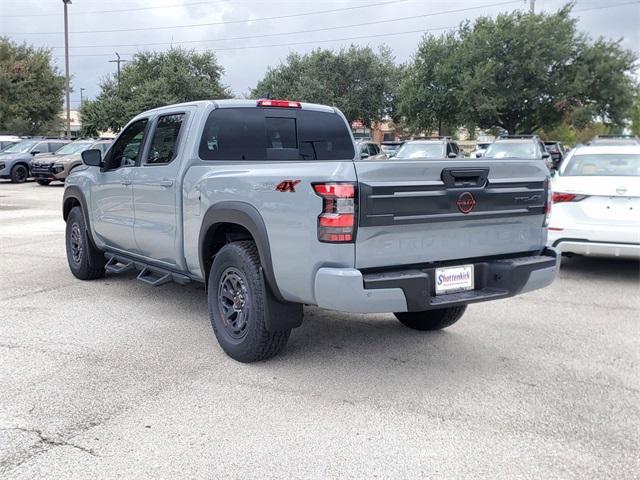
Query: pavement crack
{"type": "Point", "coordinates": [48, 442]}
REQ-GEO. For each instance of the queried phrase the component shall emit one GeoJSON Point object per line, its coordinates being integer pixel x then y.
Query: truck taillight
{"type": "Point", "coordinates": [548, 203]}
{"type": "Point", "coordinates": [337, 222]}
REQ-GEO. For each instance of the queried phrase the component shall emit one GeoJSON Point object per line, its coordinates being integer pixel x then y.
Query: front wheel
{"type": "Point", "coordinates": [431, 319]}
{"type": "Point", "coordinates": [86, 262]}
{"type": "Point", "coordinates": [19, 173]}
{"type": "Point", "coordinates": [237, 297]}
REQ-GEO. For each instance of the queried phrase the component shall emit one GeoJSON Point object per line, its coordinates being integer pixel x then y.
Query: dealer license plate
{"type": "Point", "coordinates": [454, 279]}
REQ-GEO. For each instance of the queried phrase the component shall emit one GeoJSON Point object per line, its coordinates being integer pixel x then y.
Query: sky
{"type": "Point", "coordinates": [99, 28]}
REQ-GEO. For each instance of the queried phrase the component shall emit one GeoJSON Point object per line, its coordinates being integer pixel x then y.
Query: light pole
{"type": "Point", "coordinates": [66, 65]}
{"type": "Point", "coordinates": [81, 96]}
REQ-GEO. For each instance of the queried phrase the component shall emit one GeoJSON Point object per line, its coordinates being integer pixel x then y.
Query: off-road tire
{"type": "Point", "coordinates": [19, 173]}
{"type": "Point", "coordinates": [44, 183]}
{"type": "Point", "coordinates": [88, 262]}
{"type": "Point", "coordinates": [431, 319]}
{"type": "Point", "coordinates": [254, 342]}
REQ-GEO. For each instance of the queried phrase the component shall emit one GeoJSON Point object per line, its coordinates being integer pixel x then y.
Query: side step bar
{"type": "Point", "coordinates": [149, 274]}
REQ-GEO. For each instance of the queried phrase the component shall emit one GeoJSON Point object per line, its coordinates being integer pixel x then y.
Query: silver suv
{"type": "Point", "coordinates": [15, 161]}
{"type": "Point", "coordinates": [268, 203]}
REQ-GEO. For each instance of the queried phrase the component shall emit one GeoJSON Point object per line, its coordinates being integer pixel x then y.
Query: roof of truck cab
{"type": "Point", "coordinates": [236, 103]}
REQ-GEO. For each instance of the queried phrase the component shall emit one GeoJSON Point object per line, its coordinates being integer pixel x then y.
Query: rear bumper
{"type": "Point", "coordinates": [597, 249]}
{"type": "Point", "coordinates": [413, 289]}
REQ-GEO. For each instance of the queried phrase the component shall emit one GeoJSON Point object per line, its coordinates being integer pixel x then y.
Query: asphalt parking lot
{"type": "Point", "coordinates": [117, 379]}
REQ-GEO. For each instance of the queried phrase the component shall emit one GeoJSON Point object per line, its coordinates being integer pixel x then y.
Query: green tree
{"type": "Point", "coordinates": [520, 72]}
{"type": "Point", "coordinates": [635, 113]}
{"type": "Point", "coordinates": [362, 83]}
{"type": "Point", "coordinates": [150, 80]}
{"type": "Point", "coordinates": [31, 89]}
{"type": "Point", "coordinates": [429, 94]}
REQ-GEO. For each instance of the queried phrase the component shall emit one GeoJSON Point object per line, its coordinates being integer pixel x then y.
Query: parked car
{"type": "Point", "coordinates": [390, 148]}
{"type": "Point", "coordinates": [268, 203]}
{"type": "Point", "coordinates": [370, 150]}
{"type": "Point", "coordinates": [58, 165]}
{"type": "Point", "coordinates": [15, 161]}
{"type": "Point", "coordinates": [518, 146]}
{"type": "Point", "coordinates": [481, 148]}
{"type": "Point", "coordinates": [8, 140]}
{"type": "Point", "coordinates": [596, 202]}
{"type": "Point", "coordinates": [615, 140]}
{"type": "Point", "coordinates": [430, 147]}
{"type": "Point", "coordinates": [557, 152]}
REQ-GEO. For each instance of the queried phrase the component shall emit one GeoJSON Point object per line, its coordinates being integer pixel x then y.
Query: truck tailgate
{"type": "Point", "coordinates": [419, 211]}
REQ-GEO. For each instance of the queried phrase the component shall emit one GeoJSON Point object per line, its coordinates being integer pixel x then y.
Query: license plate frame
{"type": "Point", "coordinates": [455, 279]}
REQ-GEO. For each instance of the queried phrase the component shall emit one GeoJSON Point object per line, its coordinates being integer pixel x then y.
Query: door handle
{"type": "Point", "coordinates": [125, 181]}
{"type": "Point", "coordinates": [166, 183]}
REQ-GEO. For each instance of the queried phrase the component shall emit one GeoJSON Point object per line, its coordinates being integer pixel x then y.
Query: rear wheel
{"type": "Point", "coordinates": [86, 262]}
{"type": "Point", "coordinates": [237, 305]}
{"type": "Point", "coordinates": [431, 319]}
{"type": "Point", "coordinates": [19, 173]}
{"type": "Point", "coordinates": [44, 183]}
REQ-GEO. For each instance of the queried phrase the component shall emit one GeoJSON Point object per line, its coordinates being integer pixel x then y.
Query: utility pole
{"type": "Point", "coordinates": [118, 61]}
{"type": "Point", "coordinates": [66, 66]}
{"type": "Point", "coordinates": [532, 6]}
{"type": "Point", "coordinates": [81, 96]}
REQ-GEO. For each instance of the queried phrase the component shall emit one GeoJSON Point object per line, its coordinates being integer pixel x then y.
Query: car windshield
{"type": "Point", "coordinates": [420, 150]}
{"type": "Point", "coordinates": [74, 147]}
{"type": "Point", "coordinates": [21, 147]}
{"type": "Point", "coordinates": [604, 165]}
{"type": "Point", "coordinates": [516, 150]}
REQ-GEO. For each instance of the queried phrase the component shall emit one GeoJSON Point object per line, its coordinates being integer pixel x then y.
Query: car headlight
{"type": "Point", "coordinates": [57, 168]}
{"type": "Point", "coordinates": [2, 165]}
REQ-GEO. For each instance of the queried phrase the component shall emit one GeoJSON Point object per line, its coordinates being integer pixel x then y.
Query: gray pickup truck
{"type": "Point", "coordinates": [268, 204]}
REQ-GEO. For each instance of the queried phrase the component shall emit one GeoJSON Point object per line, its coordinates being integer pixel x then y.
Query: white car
{"type": "Point", "coordinates": [596, 202]}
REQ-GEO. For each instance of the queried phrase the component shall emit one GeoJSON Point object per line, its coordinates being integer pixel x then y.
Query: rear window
{"type": "Point", "coordinates": [274, 134]}
{"type": "Point", "coordinates": [420, 150]}
{"type": "Point", "coordinates": [603, 165]}
{"type": "Point", "coordinates": [514, 150]}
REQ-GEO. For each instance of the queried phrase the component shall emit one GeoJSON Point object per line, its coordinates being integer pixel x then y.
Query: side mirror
{"type": "Point", "coordinates": [479, 154]}
{"type": "Point", "coordinates": [364, 155]}
{"type": "Point", "coordinates": [545, 155]}
{"type": "Point", "coordinates": [35, 152]}
{"type": "Point", "coordinates": [452, 155]}
{"type": "Point", "coordinates": [92, 157]}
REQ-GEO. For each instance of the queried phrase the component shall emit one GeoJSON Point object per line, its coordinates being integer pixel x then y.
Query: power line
{"type": "Point", "coordinates": [313, 30]}
{"type": "Point", "coordinates": [92, 12]}
{"type": "Point", "coordinates": [292, 43]}
{"type": "Point", "coordinates": [228, 22]}
{"type": "Point", "coordinates": [606, 6]}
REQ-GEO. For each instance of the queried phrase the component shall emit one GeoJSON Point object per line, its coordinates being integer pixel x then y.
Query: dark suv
{"type": "Point", "coordinates": [557, 152]}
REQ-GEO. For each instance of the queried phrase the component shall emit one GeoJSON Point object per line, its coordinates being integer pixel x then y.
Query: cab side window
{"type": "Point", "coordinates": [127, 148]}
{"type": "Point", "coordinates": [165, 139]}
